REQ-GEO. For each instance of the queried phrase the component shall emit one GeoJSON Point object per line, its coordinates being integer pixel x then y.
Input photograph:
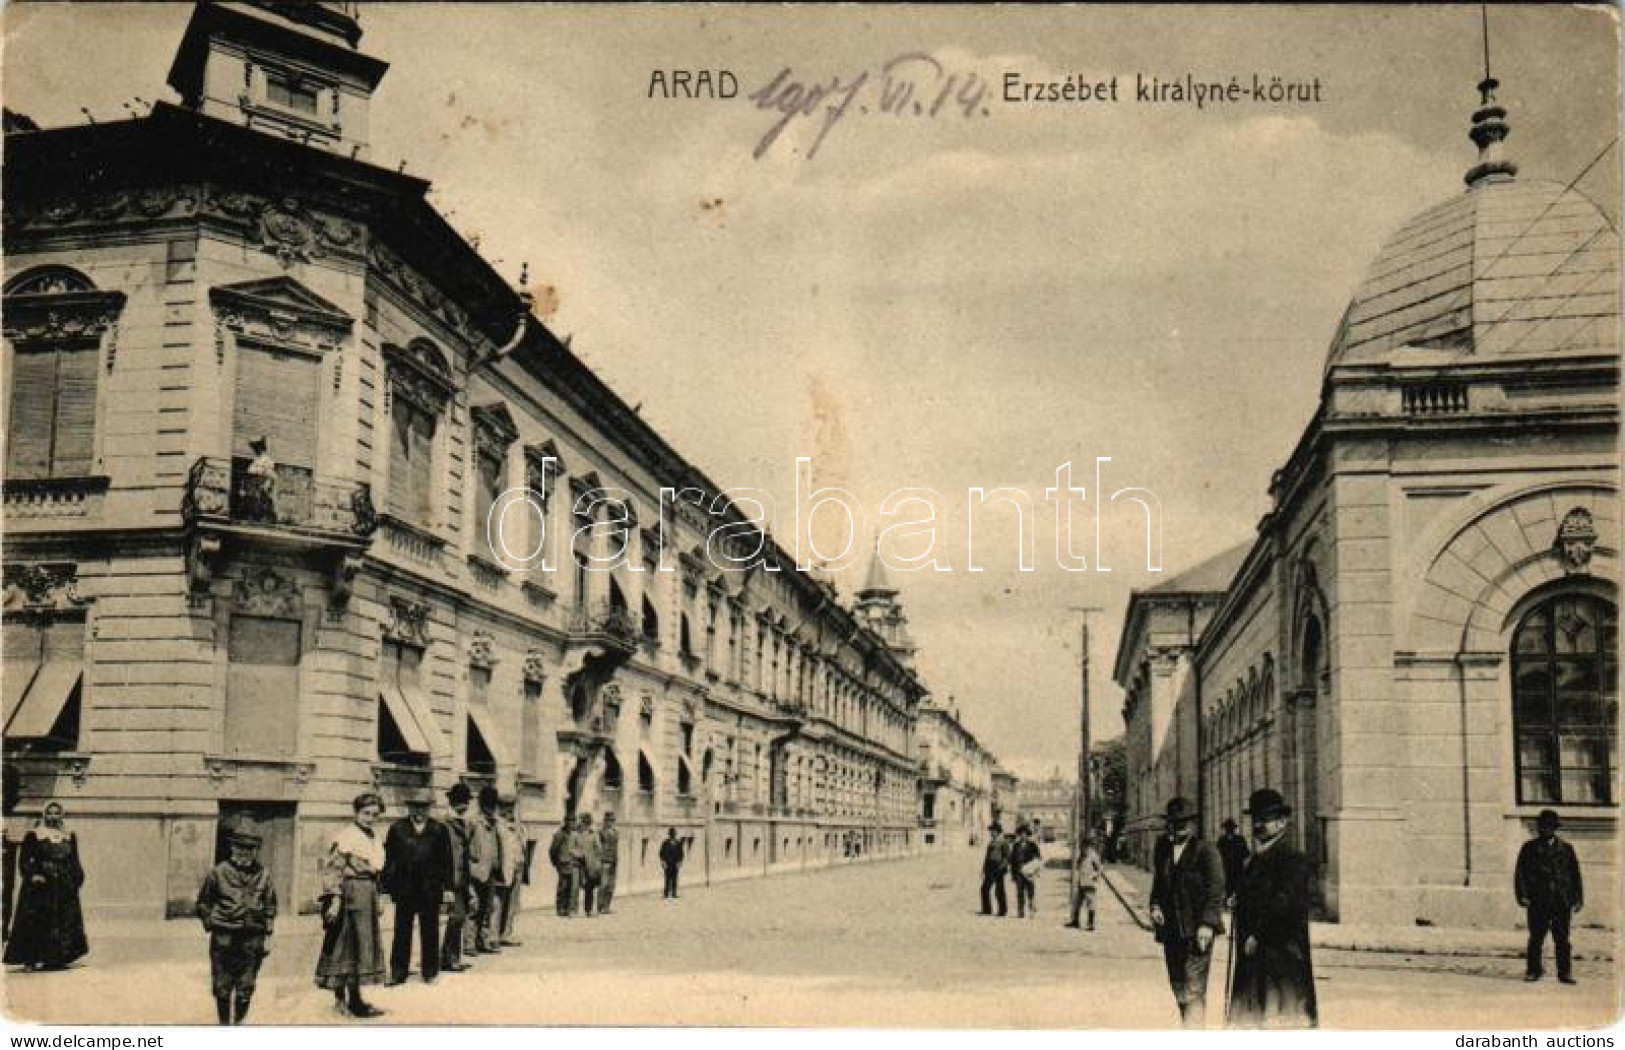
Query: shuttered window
{"type": "Point", "coordinates": [276, 399]}
{"type": "Point", "coordinates": [488, 483]}
{"type": "Point", "coordinates": [53, 412]}
{"type": "Point", "coordinates": [530, 730]}
{"type": "Point", "coordinates": [411, 452]}
{"type": "Point", "coordinates": [262, 686]}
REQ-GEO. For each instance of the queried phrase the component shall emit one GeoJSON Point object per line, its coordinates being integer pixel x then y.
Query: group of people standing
{"type": "Point", "coordinates": [586, 861]}
{"type": "Point", "coordinates": [1016, 854]}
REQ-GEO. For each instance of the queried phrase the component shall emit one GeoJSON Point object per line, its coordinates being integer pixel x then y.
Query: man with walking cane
{"type": "Point", "coordinates": [1187, 907]}
{"type": "Point", "coordinates": [1274, 984]}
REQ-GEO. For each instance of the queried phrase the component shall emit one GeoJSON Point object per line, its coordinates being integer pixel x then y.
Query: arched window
{"type": "Point", "coordinates": [646, 774]}
{"type": "Point", "coordinates": [1564, 704]}
{"type": "Point", "coordinates": [612, 770]}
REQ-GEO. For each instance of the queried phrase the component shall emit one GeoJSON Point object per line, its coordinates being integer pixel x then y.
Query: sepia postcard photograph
{"type": "Point", "coordinates": [897, 517]}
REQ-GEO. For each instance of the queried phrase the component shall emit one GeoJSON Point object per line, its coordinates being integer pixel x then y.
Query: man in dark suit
{"type": "Point", "coordinates": [1234, 852]}
{"type": "Point", "coordinates": [558, 852]}
{"type": "Point", "coordinates": [417, 875]}
{"type": "Point", "coordinates": [671, 862]}
{"type": "Point", "coordinates": [1274, 983]}
{"type": "Point", "coordinates": [995, 862]}
{"type": "Point", "coordinates": [1187, 907]}
{"type": "Point", "coordinates": [458, 831]}
{"type": "Point", "coordinates": [1547, 882]}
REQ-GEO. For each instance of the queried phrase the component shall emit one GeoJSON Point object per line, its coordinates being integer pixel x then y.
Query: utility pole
{"type": "Point", "coordinates": [1083, 795]}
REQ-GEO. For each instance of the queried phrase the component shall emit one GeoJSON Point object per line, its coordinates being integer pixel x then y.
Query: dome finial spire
{"type": "Point", "coordinates": [1490, 127]}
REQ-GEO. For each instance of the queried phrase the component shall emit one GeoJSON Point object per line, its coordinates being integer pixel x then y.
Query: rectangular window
{"type": "Point", "coordinates": [44, 665]}
{"type": "Point", "coordinates": [289, 92]}
{"type": "Point", "coordinates": [262, 686]}
{"type": "Point", "coordinates": [53, 412]}
{"type": "Point", "coordinates": [489, 483]}
{"type": "Point", "coordinates": [530, 730]}
{"type": "Point", "coordinates": [407, 731]}
{"type": "Point", "coordinates": [276, 399]}
{"type": "Point", "coordinates": [411, 448]}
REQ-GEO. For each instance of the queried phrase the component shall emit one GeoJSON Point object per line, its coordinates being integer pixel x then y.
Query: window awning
{"type": "Point", "coordinates": [43, 703]}
{"type": "Point", "coordinates": [16, 676]}
{"type": "Point", "coordinates": [480, 715]}
{"type": "Point", "coordinates": [412, 716]}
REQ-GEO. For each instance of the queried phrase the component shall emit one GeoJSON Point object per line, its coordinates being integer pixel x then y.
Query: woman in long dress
{"type": "Point", "coordinates": [48, 928]}
{"type": "Point", "coordinates": [352, 945]}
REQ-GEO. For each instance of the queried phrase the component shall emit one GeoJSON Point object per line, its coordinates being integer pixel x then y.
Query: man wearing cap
{"type": "Point", "coordinates": [484, 867]}
{"type": "Point", "coordinates": [417, 876]}
{"type": "Point", "coordinates": [558, 852]}
{"type": "Point", "coordinates": [458, 833]}
{"type": "Point", "coordinates": [1234, 852]}
{"type": "Point", "coordinates": [1187, 907]}
{"type": "Point", "coordinates": [995, 862]}
{"type": "Point", "coordinates": [588, 854]}
{"type": "Point", "coordinates": [609, 844]}
{"type": "Point", "coordinates": [1547, 883]}
{"type": "Point", "coordinates": [237, 906]}
{"type": "Point", "coordinates": [1274, 983]}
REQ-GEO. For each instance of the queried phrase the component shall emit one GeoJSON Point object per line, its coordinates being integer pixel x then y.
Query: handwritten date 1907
{"type": "Point", "coordinates": [911, 85]}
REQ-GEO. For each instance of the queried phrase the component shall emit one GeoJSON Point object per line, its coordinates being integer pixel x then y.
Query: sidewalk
{"type": "Point", "coordinates": [1132, 885]}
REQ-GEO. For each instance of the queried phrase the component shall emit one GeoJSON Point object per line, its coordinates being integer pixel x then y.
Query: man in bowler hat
{"type": "Point", "coordinates": [1187, 907]}
{"type": "Point", "coordinates": [1234, 852]}
{"type": "Point", "coordinates": [1274, 983]}
{"type": "Point", "coordinates": [417, 876]}
{"type": "Point", "coordinates": [1547, 882]}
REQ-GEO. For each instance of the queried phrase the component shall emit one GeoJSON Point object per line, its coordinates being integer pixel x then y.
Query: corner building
{"type": "Point", "coordinates": [1420, 646]}
{"type": "Point", "coordinates": [195, 635]}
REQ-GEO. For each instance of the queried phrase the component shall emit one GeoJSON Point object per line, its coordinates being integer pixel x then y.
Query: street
{"type": "Point", "coordinates": [892, 944]}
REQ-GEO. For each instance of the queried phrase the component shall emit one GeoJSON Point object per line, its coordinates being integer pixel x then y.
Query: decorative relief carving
{"type": "Point", "coordinates": [646, 705]}
{"type": "Point", "coordinates": [263, 591]}
{"type": "Point", "coordinates": [280, 311]}
{"type": "Point", "coordinates": [418, 373]}
{"type": "Point", "coordinates": [494, 429]}
{"type": "Point", "coordinates": [42, 586]}
{"type": "Point", "coordinates": [408, 621]}
{"type": "Point", "coordinates": [482, 650]}
{"type": "Point", "coordinates": [345, 569]}
{"type": "Point", "coordinates": [108, 207]}
{"type": "Point", "coordinates": [388, 266]}
{"type": "Point", "coordinates": [1576, 540]}
{"type": "Point", "coordinates": [535, 669]}
{"type": "Point", "coordinates": [61, 316]}
{"type": "Point", "coordinates": [200, 558]}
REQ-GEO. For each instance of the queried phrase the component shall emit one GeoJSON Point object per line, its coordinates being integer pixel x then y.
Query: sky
{"type": "Point", "coordinates": [946, 302]}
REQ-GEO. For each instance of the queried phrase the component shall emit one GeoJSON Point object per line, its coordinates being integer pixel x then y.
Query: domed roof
{"type": "Point", "coordinates": [1510, 268]}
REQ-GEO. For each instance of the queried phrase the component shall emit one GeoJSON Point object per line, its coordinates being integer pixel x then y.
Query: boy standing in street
{"type": "Point", "coordinates": [237, 906]}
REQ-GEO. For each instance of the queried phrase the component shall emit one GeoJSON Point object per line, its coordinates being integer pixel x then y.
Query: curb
{"type": "Point", "coordinates": [1324, 935]}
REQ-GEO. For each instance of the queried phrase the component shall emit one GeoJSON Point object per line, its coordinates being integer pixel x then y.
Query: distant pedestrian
{"type": "Point", "coordinates": [609, 844]}
{"type": "Point", "coordinates": [352, 946]}
{"type": "Point", "coordinates": [1090, 872]}
{"type": "Point", "coordinates": [1026, 862]}
{"type": "Point", "coordinates": [48, 929]}
{"type": "Point", "coordinates": [1547, 882]}
{"type": "Point", "coordinates": [1234, 852]}
{"type": "Point", "coordinates": [1187, 907]}
{"type": "Point", "coordinates": [484, 865]}
{"type": "Point", "coordinates": [559, 854]}
{"type": "Point", "coordinates": [458, 835]}
{"type": "Point", "coordinates": [671, 862]}
{"type": "Point", "coordinates": [588, 854]}
{"type": "Point", "coordinates": [418, 876]}
{"type": "Point", "coordinates": [1274, 982]}
{"type": "Point", "coordinates": [995, 862]}
{"type": "Point", "coordinates": [237, 906]}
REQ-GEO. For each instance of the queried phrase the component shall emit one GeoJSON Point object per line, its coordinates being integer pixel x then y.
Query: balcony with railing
{"type": "Point", "coordinates": [290, 504]}
{"type": "Point", "coordinates": [605, 625]}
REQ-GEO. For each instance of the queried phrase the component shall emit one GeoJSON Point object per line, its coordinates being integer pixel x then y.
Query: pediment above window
{"type": "Point", "coordinates": [57, 304]}
{"type": "Point", "coordinates": [280, 310]}
{"type": "Point", "coordinates": [494, 428]}
{"type": "Point", "coordinates": [418, 372]}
